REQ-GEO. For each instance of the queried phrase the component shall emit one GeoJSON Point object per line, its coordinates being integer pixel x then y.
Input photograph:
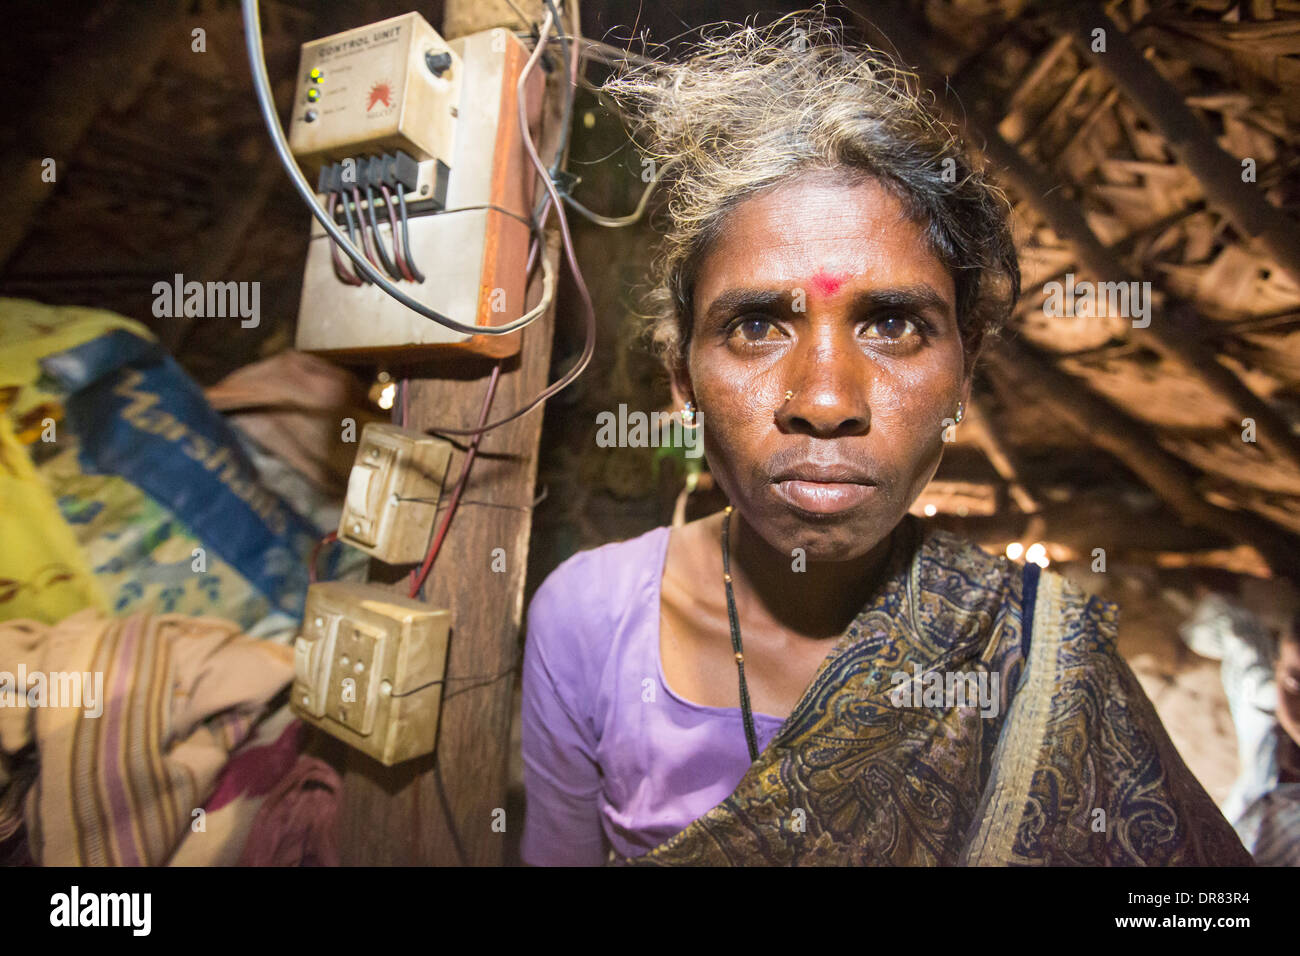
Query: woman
{"type": "Point", "coordinates": [813, 676]}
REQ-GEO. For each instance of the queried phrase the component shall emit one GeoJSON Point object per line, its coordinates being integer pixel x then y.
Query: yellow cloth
{"type": "Point", "coordinates": [43, 574]}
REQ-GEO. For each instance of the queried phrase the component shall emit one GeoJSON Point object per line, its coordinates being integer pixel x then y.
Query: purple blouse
{"type": "Point", "coordinates": [612, 757]}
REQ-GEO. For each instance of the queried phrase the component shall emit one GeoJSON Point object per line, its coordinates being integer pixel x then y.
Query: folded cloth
{"type": "Point", "coordinates": [296, 823]}
{"type": "Point", "coordinates": [133, 721]}
{"type": "Point", "coordinates": [272, 805]}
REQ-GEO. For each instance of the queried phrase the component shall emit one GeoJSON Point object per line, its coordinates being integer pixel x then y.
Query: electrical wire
{"type": "Point", "coordinates": [399, 238]}
{"type": "Point", "coordinates": [570, 66]}
{"type": "Point", "coordinates": [347, 214]}
{"type": "Point", "coordinates": [483, 680]}
{"type": "Point", "coordinates": [343, 273]}
{"type": "Point", "coordinates": [266, 104]}
{"type": "Point", "coordinates": [389, 267]}
{"type": "Point", "coordinates": [361, 221]}
{"type": "Point", "coordinates": [571, 72]}
{"type": "Point", "coordinates": [418, 578]}
{"type": "Point", "coordinates": [617, 222]}
{"type": "Point", "coordinates": [315, 553]}
{"type": "Point", "coordinates": [589, 347]}
{"type": "Point", "coordinates": [406, 236]}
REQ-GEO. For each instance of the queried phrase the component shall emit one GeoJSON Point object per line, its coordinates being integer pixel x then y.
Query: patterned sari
{"type": "Point", "coordinates": [1069, 765]}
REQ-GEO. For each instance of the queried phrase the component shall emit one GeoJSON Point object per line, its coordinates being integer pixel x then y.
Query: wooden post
{"type": "Point", "coordinates": [440, 809]}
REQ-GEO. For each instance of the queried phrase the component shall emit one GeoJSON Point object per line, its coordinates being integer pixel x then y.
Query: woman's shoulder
{"type": "Point", "coordinates": [601, 585]}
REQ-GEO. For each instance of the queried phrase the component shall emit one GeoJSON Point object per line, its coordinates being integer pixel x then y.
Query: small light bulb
{"type": "Point", "coordinates": [1014, 550]}
{"type": "Point", "coordinates": [1035, 553]}
{"type": "Point", "coordinates": [387, 396]}
{"type": "Point", "coordinates": [931, 511]}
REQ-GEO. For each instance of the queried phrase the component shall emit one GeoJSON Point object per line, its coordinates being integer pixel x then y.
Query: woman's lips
{"type": "Point", "coordinates": [824, 497]}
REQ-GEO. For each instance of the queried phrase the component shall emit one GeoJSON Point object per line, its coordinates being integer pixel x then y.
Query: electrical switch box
{"type": "Point", "coordinates": [393, 492]}
{"type": "Point", "coordinates": [464, 214]}
{"type": "Point", "coordinates": [391, 85]}
{"type": "Point", "coordinates": [368, 669]}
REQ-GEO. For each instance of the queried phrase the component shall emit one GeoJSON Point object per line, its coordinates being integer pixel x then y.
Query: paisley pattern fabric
{"type": "Point", "coordinates": [1068, 765]}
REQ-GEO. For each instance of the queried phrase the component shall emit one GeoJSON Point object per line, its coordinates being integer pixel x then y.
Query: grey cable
{"type": "Point", "coordinates": [265, 102]}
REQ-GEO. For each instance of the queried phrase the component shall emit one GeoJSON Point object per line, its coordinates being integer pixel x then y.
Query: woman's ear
{"type": "Point", "coordinates": [679, 379]}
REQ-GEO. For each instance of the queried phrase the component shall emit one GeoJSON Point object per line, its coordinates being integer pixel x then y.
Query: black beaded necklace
{"type": "Point", "coordinates": [750, 737]}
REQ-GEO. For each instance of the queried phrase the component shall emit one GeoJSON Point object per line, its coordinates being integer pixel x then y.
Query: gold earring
{"type": "Point", "coordinates": [961, 413]}
{"type": "Point", "coordinates": [789, 394]}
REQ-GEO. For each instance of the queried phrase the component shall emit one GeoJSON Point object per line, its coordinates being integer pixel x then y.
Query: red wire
{"type": "Point", "coordinates": [418, 578]}
{"type": "Point", "coordinates": [397, 237]}
{"type": "Point", "coordinates": [344, 274]}
{"type": "Point", "coordinates": [365, 236]}
{"type": "Point", "coordinates": [315, 553]}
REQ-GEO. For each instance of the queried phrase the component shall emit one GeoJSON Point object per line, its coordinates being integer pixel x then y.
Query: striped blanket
{"type": "Point", "coordinates": [139, 769]}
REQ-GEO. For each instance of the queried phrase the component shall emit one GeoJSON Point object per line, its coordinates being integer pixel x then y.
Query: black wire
{"type": "Point", "coordinates": [389, 266]}
{"type": "Point", "coordinates": [406, 236]}
{"type": "Point", "coordinates": [751, 739]}
{"type": "Point", "coordinates": [485, 679]}
{"type": "Point", "coordinates": [446, 814]}
{"type": "Point", "coordinates": [352, 233]}
{"type": "Point", "coordinates": [414, 210]}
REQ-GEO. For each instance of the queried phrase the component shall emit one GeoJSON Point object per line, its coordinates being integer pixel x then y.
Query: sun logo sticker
{"type": "Point", "coordinates": [379, 93]}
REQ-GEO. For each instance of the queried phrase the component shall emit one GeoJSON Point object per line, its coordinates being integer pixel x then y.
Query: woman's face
{"type": "Point", "coordinates": [824, 288]}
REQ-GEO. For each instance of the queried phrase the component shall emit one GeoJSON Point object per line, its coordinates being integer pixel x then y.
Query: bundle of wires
{"type": "Point", "coordinates": [367, 270]}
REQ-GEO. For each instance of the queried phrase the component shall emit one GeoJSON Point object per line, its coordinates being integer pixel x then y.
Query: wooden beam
{"type": "Point", "coordinates": [1176, 331]}
{"type": "Point", "coordinates": [440, 809]}
{"type": "Point", "coordinates": [1161, 105]}
{"type": "Point", "coordinates": [1134, 444]}
{"type": "Point", "coordinates": [1000, 457]}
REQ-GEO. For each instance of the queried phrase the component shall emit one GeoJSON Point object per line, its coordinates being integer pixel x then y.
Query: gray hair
{"type": "Point", "coordinates": [750, 108]}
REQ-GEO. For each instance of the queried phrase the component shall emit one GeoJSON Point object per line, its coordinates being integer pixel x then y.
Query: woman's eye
{"type": "Point", "coordinates": [892, 327]}
{"type": "Point", "coordinates": [754, 329]}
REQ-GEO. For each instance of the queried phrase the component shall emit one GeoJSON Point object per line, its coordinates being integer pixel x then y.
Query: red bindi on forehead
{"type": "Point", "coordinates": [825, 283]}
